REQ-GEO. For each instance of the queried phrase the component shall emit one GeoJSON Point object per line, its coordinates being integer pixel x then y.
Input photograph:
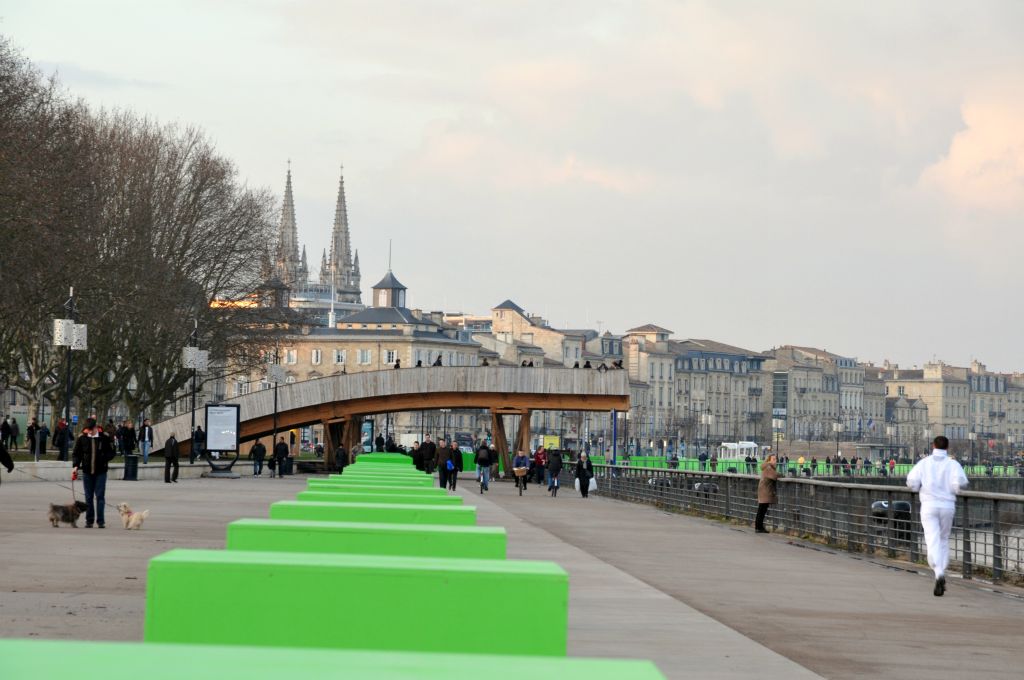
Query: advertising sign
{"type": "Point", "coordinates": [222, 427]}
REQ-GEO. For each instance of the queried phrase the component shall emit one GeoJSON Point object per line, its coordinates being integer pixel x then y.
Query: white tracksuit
{"type": "Point", "coordinates": [938, 478]}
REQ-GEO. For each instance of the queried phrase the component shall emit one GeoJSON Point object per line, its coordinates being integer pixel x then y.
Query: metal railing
{"type": "Point", "coordinates": [988, 530]}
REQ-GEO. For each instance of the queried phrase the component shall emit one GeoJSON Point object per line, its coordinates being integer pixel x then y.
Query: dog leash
{"type": "Point", "coordinates": [72, 487]}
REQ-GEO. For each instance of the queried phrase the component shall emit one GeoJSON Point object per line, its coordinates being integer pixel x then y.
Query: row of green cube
{"type": "Point", "coordinates": [368, 568]}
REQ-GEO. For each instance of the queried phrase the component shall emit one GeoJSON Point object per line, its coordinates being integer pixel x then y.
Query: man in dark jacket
{"type": "Point", "coordinates": [171, 459]}
{"type": "Point", "coordinates": [456, 458]}
{"type": "Point", "coordinates": [5, 457]}
{"type": "Point", "coordinates": [379, 443]}
{"type": "Point", "coordinates": [30, 435]}
{"type": "Point", "coordinates": [441, 459]}
{"type": "Point", "coordinates": [417, 456]}
{"type": "Point", "coordinates": [15, 433]}
{"type": "Point", "coordinates": [429, 450]}
{"type": "Point", "coordinates": [5, 432]}
{"type": "Point", "coordinates": [92, 455]}
{"type": "Point", "coordinates": [259, 452]}
{"type": "Point", "coordinates": [198, 444]}
{"type": "Point", "coordinates": [129, 440]}
{"type": "Point", "coordinates": [483, 465]}
{"type": "Point", "coordinates": [280, 455]}
{"type": "Point", "coordinates": [62, 439]}
{"type": "Point", "coordinates": [555, 468]}
{"type": "Point", "coordinates": [146, 440]}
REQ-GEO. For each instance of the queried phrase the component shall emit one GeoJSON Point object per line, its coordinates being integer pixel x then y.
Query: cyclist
{"type": "Point", "coordinates": [520, 466]}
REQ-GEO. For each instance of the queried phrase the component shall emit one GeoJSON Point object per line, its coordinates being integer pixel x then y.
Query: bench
{"type": "Point", "coordinates": [391, 513]}
{"type": "Point", "coordinates": [424, 540]}
{"type": "Point", "coordinates": [34, 659]}
{"type": "Point", "coordinates": [345, 496]}
{"type": "Point", "coordinates": [354, 601]}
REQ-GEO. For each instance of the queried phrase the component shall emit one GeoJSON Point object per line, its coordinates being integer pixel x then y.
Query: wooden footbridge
{"type": "Point", "coordinates": [340, 402]}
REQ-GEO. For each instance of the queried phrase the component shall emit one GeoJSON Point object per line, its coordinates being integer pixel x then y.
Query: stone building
{"type": "Point", "coordinates": [945, 390]}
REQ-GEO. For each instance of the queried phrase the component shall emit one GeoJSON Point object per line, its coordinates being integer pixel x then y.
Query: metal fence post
{"type": "Point", "coordinates": [965, 533]}
{"type": "Point", "coordinates": [890, 527]}
{"type": "Point", "coordinates": [997, 543]}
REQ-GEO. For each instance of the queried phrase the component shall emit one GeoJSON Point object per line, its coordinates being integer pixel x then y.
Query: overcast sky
{"type": "Point", "coordinates": [828, 174]}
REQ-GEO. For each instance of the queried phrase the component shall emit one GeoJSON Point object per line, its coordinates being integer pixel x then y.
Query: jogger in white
{"type": "Point", "coordinates": [938, 478]}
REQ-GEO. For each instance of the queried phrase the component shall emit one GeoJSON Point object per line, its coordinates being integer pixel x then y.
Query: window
{"type": "Point", "coordinates": [389, 356]}
{"type": "Point", "coordinates": [339, 356]}
{"type": "Point", "coordinates": [382, 298]}
{"type": "Point", "coordinates": [365, 356]}
{"type": "Point", "coordinates": [315, 356]}
{"type": "Point", "coordinates": [290, 379]}
{"type": "Point", "coordinates": [290, 356]}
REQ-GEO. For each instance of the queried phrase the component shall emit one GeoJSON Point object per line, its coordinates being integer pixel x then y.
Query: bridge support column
{"type": "Point", "coordinates": [329, 445]}
{"type": "Point", "coordinates": [522, 442]}
{"type": "Point", "coordinates": [501, 440]}
{"type": "Point", "coordinates": [352, 435]}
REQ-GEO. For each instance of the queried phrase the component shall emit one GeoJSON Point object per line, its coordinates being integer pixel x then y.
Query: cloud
{"type": "Point", "coordinates": [983, 170]}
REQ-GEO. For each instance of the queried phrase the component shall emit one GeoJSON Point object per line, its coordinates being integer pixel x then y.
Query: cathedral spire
{"type": "Point", "coordinates": [340, 240]}
{"type": "Point", "coordinates": [287, 264]}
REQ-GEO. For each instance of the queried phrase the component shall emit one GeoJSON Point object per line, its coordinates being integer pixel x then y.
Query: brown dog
{"type": "Point", "coordinates": [131, 519]}
{"type": "Point", "coordinates": [68, 514]}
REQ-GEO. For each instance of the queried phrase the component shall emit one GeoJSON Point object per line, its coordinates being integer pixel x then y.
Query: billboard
{"type": "Point", "coordinates": [222, 427]}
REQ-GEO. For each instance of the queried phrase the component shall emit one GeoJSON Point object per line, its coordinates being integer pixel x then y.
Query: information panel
{"type": "Point", "coordinates": [222, 427]}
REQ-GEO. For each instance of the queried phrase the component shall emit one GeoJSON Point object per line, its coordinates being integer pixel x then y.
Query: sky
{"type": "Point", "coordinates": [841, 175]}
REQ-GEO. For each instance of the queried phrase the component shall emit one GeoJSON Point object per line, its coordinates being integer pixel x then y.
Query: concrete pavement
{"type": "Point", "coordinates": [700, 598]}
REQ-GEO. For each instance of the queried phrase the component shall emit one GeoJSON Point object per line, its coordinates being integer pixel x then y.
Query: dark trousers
{"type": "Point", "coordinates": [453, 479]}
{"type": "Point", "coordinates": [95, 495]}
{"type": "Point", "coordinates": [168, 462]}
{"type": "Point", "coordinates": [257, 466]}
{"type": "Point", "coordinates": [63, 452]}
{"type": "Point", "coordinates": [442, 475]}
{"type": "Point", "coordinates": [280, 466]}
{"type": "Point", "coordinates": [762, 510]}
{"type": "Point", "coordinates": [584, 486]}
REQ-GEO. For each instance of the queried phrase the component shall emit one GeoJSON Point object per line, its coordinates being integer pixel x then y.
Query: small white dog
{"type": "Point", "coordinates": [132, 520]}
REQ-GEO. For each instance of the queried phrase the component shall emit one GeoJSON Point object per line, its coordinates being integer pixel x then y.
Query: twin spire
{"type": "Point", "coordinates": [339, 266]}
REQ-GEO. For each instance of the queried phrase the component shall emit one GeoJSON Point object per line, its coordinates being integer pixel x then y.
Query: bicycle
{"type": "Point", "coordinates": [520, 478]}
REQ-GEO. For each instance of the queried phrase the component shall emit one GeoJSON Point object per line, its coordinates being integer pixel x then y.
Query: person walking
{"type": "Point", "coordinates": [938, 479]}
{"type": "Point", "coordinates": [5, 432]}
{"type": "Point", "coordinates": [767, 492]}
{"type": "Point", "coordinates": [259, 452]}
{"type": "Point", "coordinates": [198, 444]}
{"type": "Point", "coordinates": [171, 459]}
{"type": "Point", "coordinates": [92, 455]}
{"type": "Point", "coordinates": [280, 455]}
{"type": "Point", "coordinates": [62, 439]}
{"type": "Point", "coordinates": [554, 468]}
{"type": "Point", "coordinates": [146, 440]}
{"type": "Point", "coordinates": [129, 438]}
{"type": "Point", "coordinates": [429, 451]}
{"type": "Point", "coordinates": [341, 458]}
{"type": "Point", "coordinates": [379, 443]}
{"type": "Point", "coordinates": [453, 474]}
{"type": "Point", "coordinates": [482, 460]}
{"type": "Point", "coordinates": [42, 436]}
{"type": "Point", "coordinates": [15, 433]}
{"type": "Point", "coordinates": [584, 473]}
{"type": "Point", "coordinates": [5, 457]}
{"type": "Point", "coordinates": [30, 436]}
{"type": "Point", "coordinates": [540, 464]}
{"type": "Point", "coordinates": [417, 456]}
{"type": "Point", "coordinates": [444, 463]}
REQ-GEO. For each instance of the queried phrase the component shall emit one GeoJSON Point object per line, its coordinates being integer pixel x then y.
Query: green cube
{"type": "Point", "coordinates": [367, 539]}
{"type": "Point", "coordinates": [370, 602]}
{"type": "Point", "coordinates": [341, 496]}
{"type": "Point", "coordinates": [389, 513]}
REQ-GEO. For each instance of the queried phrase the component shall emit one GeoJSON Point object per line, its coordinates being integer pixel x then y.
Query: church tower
{"type": "Point", "coordinates": [287, 263]}
{"type": "Point", "coordinates": [342, 269]}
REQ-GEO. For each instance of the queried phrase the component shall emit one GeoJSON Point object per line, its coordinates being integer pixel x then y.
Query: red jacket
{"type": "Point", "coordinates": [540, 459]}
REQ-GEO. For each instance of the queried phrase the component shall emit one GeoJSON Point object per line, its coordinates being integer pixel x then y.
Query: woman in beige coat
{"type": "Point", "coordinates": [766, 492]}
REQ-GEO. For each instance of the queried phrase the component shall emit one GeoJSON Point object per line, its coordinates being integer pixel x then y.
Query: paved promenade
{"type": "Point", "coordinates": [701, 599]}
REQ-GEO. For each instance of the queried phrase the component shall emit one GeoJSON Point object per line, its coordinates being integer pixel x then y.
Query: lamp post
{"type": "Point", "coordinates": [837, 427]}
{"type": "Point", "coordinates": [196, 359]}
{"type": "Point", "coordinates": [778, 424]}
{"type": "Point", "coordinates": [927, 434]}
{"type": "Point", "coordinates": [972, 437]}
{"type": "Point", "coordinates": [1009, 449]}
{"type": "Point", "coordinates": [706, 419]}
{"type": "Point", "coordinates": [445, 411]}
{"type": "Point", "coordinates": [889, 432]}
{"type": "Point", "coordinates": [73, 336]}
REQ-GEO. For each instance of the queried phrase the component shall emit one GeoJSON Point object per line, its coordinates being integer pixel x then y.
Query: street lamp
{"type": "Point", "coordinates": [1009, 449]}
{"type": "Point", "coordinates": [706, 419]}
{"type": "Point", "coordinates": [972, 437]}
{"type": "Point", "coordinates": [74, 336]}
{"type": "Point", "coordinates": [890, 431]}
{"type": "Point", "coordinates": [927, 434]}
{"type": "Point", "coordinates": [778, 424]}
{"type": "Point", "coordinates": [196, 359]}
{"type": "Point", "coordinates": [837, 427]}
{"type": "Point", "coordinates": [445, 411]}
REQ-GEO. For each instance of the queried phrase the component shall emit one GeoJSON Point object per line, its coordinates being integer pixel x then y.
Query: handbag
{"type": "Point", "coordinates": [449, 465]}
